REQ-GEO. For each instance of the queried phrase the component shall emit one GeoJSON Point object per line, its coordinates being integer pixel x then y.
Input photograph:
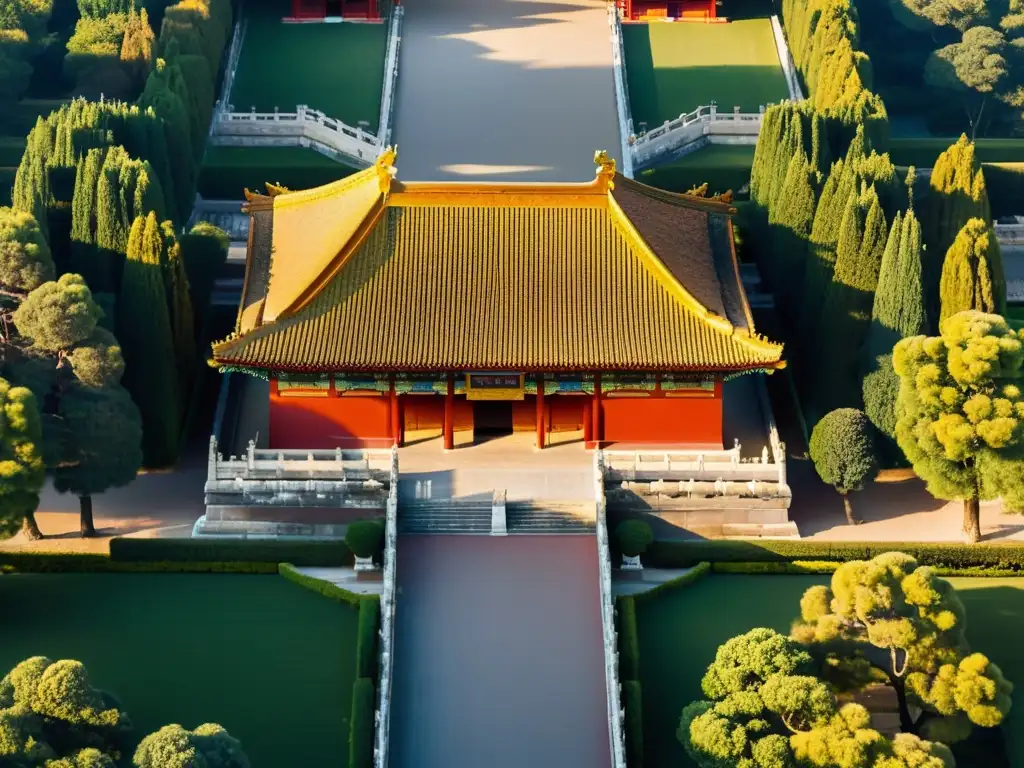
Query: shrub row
{"type": "Point", "coordinates": [695, 573]}
{"type": "Point", "coordinates": [1005, 184]}
{"type": "Point", "coordinates": [316, 553]}
{"type": "Point", "coordinates": [958, 557]}
{"type": "Point", "coordinates": [53, 562]}
{"type": "Point", "coordinates": [804, 567]}
{"type": "Point", "coordinates": [629, 638]}
{"type": "Point", "coordinates": [632, 701]}
{"type": "Point", "coordinates": [922, 151]}
{"type": "Point", "coordinates": [367, 632]}
{"type": "Point", "coordinates": [360, 740]}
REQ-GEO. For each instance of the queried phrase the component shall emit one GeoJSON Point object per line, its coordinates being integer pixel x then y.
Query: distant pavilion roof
{"type": "Point", "coordinates": [369, 273]}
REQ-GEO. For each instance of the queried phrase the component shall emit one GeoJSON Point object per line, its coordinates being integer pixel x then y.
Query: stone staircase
{"type": "Point", "coordinates": [550, 517]}
{"type": "Point", "coordinates": [445, 516]}
{"type": "Point", "coordinates": [476, 516]}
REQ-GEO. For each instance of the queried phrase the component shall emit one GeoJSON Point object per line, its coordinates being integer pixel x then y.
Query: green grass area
{"type": "Point", "coordinates": [335, 68]}
{"type": "Point", "coordinates": [681, 630]}
{"type": "Point", "coordinates": [228, 170]}
{"type": "Point", "coordinates": [722, 166]}
{"type": "Point", "coordinates": [271, 662]}
{"type": "Point", "coordinates": [674, 68]}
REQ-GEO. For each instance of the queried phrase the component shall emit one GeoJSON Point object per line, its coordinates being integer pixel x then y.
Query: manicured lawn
{"type": "Point", "coordinates": [228, 170]}
{"type": "Point", "coordinates": [722, 166]}
{"type": "Point", "coordinates": [335, 68]}
{"type": "Point", "coordinates": [674, 68]}
{"type": "Point", "coordinates": [681, 630]}
{"type": "Point", "coordinates": [270, 661]}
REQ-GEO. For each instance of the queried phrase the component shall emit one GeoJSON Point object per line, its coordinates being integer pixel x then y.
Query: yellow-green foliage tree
{"type": "Point", "coordinates": [972, 273]}
{"type": "Point", "coordinates": [960, 412]}
{"type": "Point", "coordinates": [894, 616]}
{"type": "Point", "coordinates": [21, 460]}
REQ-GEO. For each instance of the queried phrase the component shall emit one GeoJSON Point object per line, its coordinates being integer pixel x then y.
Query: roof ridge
{"type": "Point", "coordinates": [676, 198]}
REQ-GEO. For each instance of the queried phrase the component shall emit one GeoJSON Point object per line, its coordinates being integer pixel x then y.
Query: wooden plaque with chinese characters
{"type": "Point", "coordinates": [495, 386]}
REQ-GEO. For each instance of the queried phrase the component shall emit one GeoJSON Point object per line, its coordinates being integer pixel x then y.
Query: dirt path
{"type": "Point", "coordinates": [504, 90]}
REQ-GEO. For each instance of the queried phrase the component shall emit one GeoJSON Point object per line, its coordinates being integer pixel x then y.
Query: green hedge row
{"type": "Point", "coordinates": [1005, 184]}
{"type": "Point", "coordinates": [52, 562]}
{"type": "Point", "coordinates": [803, 567]}
{"type": "Point", "coordinates": [321, 587]}
{"type": "Point", "coordinates": [360, 739]}
{"type": "Point", "coordinates": [367, 632]}
{"type": "Point", "coordinates": [632, 702]}
{"type": "Point", "coordinates": [922, 151]}
{"type": "Point", "coordinates": [958, 557]}
{"type": "Point", "coordinates": [317, 553]}
{"type": "Point", "coordinates": [629, 638]}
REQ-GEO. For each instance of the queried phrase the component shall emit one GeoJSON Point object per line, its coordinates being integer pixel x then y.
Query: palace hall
{"type": "Point", "coordinates": [378, 308]}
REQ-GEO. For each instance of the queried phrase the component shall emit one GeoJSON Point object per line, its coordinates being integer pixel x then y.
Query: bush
{"type": "Point", "coordinates": [321, 587]}
{"type": "Point", "coordinates": [366, 636]}
{"type": "Point", "coordinates": [795, 567]}
{"type": "Point", "coordinates": [52, 562]}
{"type": "Point", "coordinates": [629, 638]}
{"type": "Point", "coordinates": [365, 538]}
{"type": "Point", "coordinates": [694, 574]}
{"type": "Point", "coordinates": [1005, 184]}
{"type": "Point", "coordinates": [632, 700]}
{"type": "Point", "coordinates": [321, 553]}
{"type": "Point", "coordinates": [633, 537]}
{"type": "Point", "coordinates": [360, 738]}
{"type": "Point", "coordinates": [958, 557]}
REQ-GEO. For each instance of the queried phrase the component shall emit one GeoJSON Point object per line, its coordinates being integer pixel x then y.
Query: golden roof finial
{"type": "Point", "coordinates": [605, 168]}
{"type": "Point", "coordinates": [276, 189]}
{"type": "Point", "coordinates": [386, 168]}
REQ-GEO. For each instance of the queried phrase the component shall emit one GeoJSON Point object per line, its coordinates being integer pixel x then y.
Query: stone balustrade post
{"type": "Point", "coordinates": [250, 455]}
{"type": "Point", "coordinates": [211, 461]}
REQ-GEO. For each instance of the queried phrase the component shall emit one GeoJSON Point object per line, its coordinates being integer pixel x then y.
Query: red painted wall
{"type": "Point", "coordinates": [329, 422]}
{"type": "Point", "coordinates": [565, 412]}
{"type": "Point", "coordinates": [427, 412]}
{"type": "Point", "coordinates": [693, 421]}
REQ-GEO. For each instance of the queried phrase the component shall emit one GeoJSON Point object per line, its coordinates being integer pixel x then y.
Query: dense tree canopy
{"type": "Point", "coordinates": [208, 746]}
{"type": "Point", "coordinates": [972, 273]}
{"type": "Point", "coordinates": [25, 261]}
{"type": "Point", "coordinates": [960, 412]}
{"type": "Point", "coordinates": [21, 458]}
{"type": "Point", "coordinates": [843, 453]}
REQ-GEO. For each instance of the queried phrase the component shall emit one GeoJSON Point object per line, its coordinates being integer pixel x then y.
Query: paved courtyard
{"type": "Point", "coordinates": [504, 90]}
{"type": "Point", "coordinates": [498, 655]}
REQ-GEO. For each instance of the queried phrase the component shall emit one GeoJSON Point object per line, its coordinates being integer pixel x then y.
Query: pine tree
{"type": "Point", "coordinates": [898, 313]}
{"type": "Point", "coordinates": [957, 194]}
{"type": "Point", "coordinates": [180, 305]}
{"type": "Point", "coordinates": [972, 273]}
{"type": "Point", "coordinates": [145, 332]}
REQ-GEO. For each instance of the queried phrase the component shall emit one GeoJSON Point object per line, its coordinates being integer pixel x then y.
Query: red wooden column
{"type": "Point", "coordinates": [713, 8]}
{"type": "Point", "coordinates": [588, 424]}
{"type": "Point", "coordinates": [596, 412]}
{"type": "Point", "coordinates": [449, 414]}
{"type": "Point", "coordinates": [540, 411]}
{"type": "Point", "coordinates": [396, 414]}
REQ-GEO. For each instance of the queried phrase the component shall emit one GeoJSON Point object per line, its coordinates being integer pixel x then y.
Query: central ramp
{"type": "Point", "coordinates": [505, 90]}
{"type": "Point", "coordinates": [498, 656]}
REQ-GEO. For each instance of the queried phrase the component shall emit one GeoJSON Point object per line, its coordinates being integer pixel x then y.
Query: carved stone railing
{"type": "Point", "coordinates": [329, 465]}
{"type": "Point", "coordinates": [304, 127]}
{"type": "Point", "coordinates": [387, 99]}
{"type": "Point", "coordinates": [621, 91]}
{"type": "Point", "coordinates": [382, 717]}
{"type": "Point", "coordinates": [702, 124]}
{"type": "Point", "coordinates": [786, 60]}
{"type": "Point", "coordinates": [616, 740]}
{"type": "Point", "coordinates": [1010, 234]}
{"type": "Point", "coordinates": [698, 465]}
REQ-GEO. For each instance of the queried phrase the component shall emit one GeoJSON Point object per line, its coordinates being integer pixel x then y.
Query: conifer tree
{"type": "Point", "coordinates": [180, 305]}
{"type": "Point", "coordinates": [145, 331]}
{"type": "Point", "coordinates": [791, 230]}
{"type": "Point", "coordinates": [957, 194]}
{"type": "Point", "coordinates": [821, 254]}
{"type": "Point", "coordinates": [137, 47]}
{"type": "Point", "coordinates": [31, 192]}
{"type": "Point", "coordinates": [174, 112]}
{"type": "Point", "coordinates": [972, 273]}
{"type": "Point", "coordinates": [111, 234]}
{"type": "Point", "coordinates": [84, 216]}
{"type": "Point", "coordinates": [768, 141]}
{"type": "Point", "coordinates": [21, 461]}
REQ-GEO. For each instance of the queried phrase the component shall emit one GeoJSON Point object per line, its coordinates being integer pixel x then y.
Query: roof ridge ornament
{"type": "Point", "coordinates": [385, 165]}
{"type": "Point", "coordinates": [605, 169]}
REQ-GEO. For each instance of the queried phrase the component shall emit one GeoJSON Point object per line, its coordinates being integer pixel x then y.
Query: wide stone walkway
{"type": "Point", "coordinates": [504, 90]}
{"type": "Point", "coordinates": [498, 655]}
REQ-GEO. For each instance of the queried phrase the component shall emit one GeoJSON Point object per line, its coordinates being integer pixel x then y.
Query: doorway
{"type": "Point", "coordinates": [492, 418]}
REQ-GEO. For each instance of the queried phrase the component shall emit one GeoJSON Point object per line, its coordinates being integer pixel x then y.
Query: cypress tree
{"type": "Point", "coordinates": [167, 105]}
{"type": "Point", "coordinates": [137, 46]}
{"type": "Point", "coordinates": [821, 256]}
{"type": "Point", "coordinates": [791, 230]}
{"type": "Point", "coordinates": [897, 313]}
{"type": "Point", "coordinates": [148, 194]}
{"type": "Point", "coordinates": [157, 154]}
{"type": "Point", "coordinates": [972, 273]}
{"type": "Point", "coordinates": [764, 153]}
{"type": "Point", "coordinates": [83, 216]}
{"type": "Point", "coordinates": [31, 192]}
{"type": "Point", "coordinates": [957, 195]}
{"type": "Point", "coordinates": [111, 233]}
{"type": "Point", "coordinates": [144, 330]}
{"type": "Point", "coordinates": [180, 306]}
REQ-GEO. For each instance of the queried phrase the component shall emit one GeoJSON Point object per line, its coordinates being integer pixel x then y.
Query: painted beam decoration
{"type": "Point", "coordinates": [495, 386]}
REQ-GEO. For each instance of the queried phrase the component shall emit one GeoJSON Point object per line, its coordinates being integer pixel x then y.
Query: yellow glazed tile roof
{"type": "Point", "coordinates": [493, 277]}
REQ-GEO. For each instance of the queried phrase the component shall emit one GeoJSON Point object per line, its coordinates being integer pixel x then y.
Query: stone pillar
{"type": "Point", "coordinates": [449, 414]}
{"type": "Point", "coordinates": [541, 430]}
{"type": "Point", "coordinates": [396, 415]}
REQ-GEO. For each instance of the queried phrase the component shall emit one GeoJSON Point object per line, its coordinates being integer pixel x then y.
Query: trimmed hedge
{"type": "Point", "coordinates": [1005, 184]}
{"type": "Point", "coordinates": [825, 567]}
{"type": "Point", "coordinates": [922, 151]}
{"type": "Point", "coordinates": [367, 632]}
{"type": "Point", "coordinates": [632, 702]}
{"type": "Point", "coordinates": [629, 638]}
{"type": "Point", "coordinates": [360, 739]}
{"type": "Point", "coordinates": [63, 562]}
{"type": "Point", "coordinates": [322, 553]}
{"type": "Point", "coordinates": [695, 573]}
{"type": "Point", "coordinates": [959, 557]}
{"type": "Point", "coordinates": [321, 587]}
